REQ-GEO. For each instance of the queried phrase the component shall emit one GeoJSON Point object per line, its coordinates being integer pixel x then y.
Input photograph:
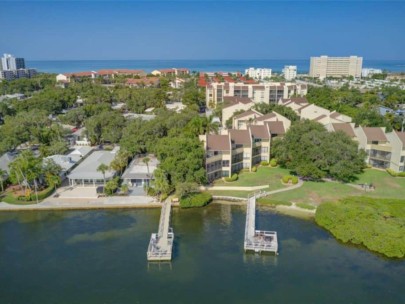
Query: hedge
{"type": "Point", "coordinates": [273, 162]}
{"type": "Point", "coordinates": [254, 169]}
{"type": "Point", "coordinates": [395, 174]}
{"type": "Point", "coordinates": [264, 163]}
{"type": "Point", "coordinates": [233, 178]}
{"type": "Point", "coordinates": [195, 200]}
{"type": "Point", "coordinates": [41, 195]}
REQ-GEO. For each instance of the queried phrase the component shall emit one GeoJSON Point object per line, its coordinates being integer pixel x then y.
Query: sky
{"type": "Point", "coordinates": [62, 30]}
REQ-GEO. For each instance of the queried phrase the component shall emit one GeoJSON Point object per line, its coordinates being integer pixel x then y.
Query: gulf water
{"type": "Point", "coordinates": [99, 257]}
{"type": "Point", "coordinates": [62, 66]}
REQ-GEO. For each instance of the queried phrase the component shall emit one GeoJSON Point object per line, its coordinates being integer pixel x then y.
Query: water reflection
{"type": "Point", "coordinates": [264, 259]}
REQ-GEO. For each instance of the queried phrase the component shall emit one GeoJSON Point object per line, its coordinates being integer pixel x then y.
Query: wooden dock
{"type": "Point", "coordinates": [161, 243]}
{"type": "Point", "coordinates": [257, 240]}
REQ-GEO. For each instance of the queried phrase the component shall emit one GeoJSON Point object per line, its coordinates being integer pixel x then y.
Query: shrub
{"type": "Point", "coordinates": [233, 178]}
{"type": "Point", "coordinates": [273, 162]}
{"type": "Point", "coordinates": [264, 163]}
{"type": "Point", "coordinates": [294, 180]}
{"type": "Point", "coordinates": [254, 169]}
{"type": "Point", "coordinates": [395, 174]}
{"type": "Point", "coordinates": [195, 200]}
{"type": "Point", "coordinates": [111, 186]}
{"type": "Point", "coordinates": [286, 178]}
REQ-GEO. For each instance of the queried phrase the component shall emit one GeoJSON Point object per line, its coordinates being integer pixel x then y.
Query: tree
{"type": "Point", "coordinates": [312, 152]}
{"type": "Point", "coordinates": [103, 169]}
{"type": "Point", "coordinates": [2, 179]}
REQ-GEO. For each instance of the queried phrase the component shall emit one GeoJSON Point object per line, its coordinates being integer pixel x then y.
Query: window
{"type": "Point", "coordinates": [225, 163]}
{"type": "Point", "coordinates": [374, 142]}
{"type": "Point", "coordinates": [402, 159]}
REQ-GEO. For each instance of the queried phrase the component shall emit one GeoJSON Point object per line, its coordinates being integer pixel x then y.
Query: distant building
{"type": "Point", "coordinates": [324, 66]}
{"type": "Point", "coordinates": [368, 72]}
{"type": "Point", "coordinates": [290, 72]}
{"type": "Point", "coordinates": [13, 68]}
{"type": "Point", "coordinates": [269, 92]}
{"type": "Point", "coordinates": [171, 72]}
{"type": "Point", "coordinates": [9, 63]}
{"type": "Point", "coordinates": [259, 73]}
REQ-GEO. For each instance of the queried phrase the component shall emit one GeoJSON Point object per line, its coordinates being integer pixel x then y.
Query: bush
{"type": "Point", "coordinates": [374, 223]}
{"type": "Point", "coordinates": [395, 174]}
{"type": "Point", "coordinates": [195, 200]}
{"type": "Point", "coordinates": [294, 180]}
{"type": "Point", "coordinates": [264, 163]}
{"type": "Point", "coordinates": [286, 179]}
{"type": "Point", "coordinates": [273, 162]}
{"type": "Point", "coordinates": [233, 178]}
{"type": "Point", "coordinates": [254, 169]}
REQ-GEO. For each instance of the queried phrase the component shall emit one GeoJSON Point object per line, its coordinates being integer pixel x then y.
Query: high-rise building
{"type": "Point", "coordinates": [258, 73]}
{"type": "Point", "coordinates": [324, 66]}
{"type": "Point", "coordinates": [290, 72]}
{"type": "Point", "coordinates": [9, 62]}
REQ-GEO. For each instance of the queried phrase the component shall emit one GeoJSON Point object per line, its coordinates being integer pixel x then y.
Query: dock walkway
{"type": "Point", "coordinates": [257, 240]}
{"type": "Point", "coordinates": [161, 243]}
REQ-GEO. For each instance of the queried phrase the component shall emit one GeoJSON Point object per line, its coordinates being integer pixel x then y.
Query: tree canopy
{"type": "Point", "coordinates": [312, 152]}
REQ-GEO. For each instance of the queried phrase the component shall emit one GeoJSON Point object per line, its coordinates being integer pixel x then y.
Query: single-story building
{"type": "Point", "coordinates": [139, 172]}
{"type": "Point", "coordinates": [86, 174]}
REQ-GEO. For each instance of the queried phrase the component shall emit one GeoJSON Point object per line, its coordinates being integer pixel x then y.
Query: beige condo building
{"type": "Point", "coordinates": [324, 66]}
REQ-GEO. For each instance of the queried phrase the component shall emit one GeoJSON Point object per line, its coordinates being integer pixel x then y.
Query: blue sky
{"type": "Point", "coordinates": [93, 29]}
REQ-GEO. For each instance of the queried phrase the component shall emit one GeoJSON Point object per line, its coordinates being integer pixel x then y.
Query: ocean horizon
{"type": "Point", "coordinates": [204, 65]}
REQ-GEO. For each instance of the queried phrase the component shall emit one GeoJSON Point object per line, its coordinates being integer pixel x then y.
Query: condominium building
{"type": "Point", "coordinates": [9, 62]}
{"type": "Point", "coordinates": [238, 149]}
{"type": "Point", "coordinates": [15, 74]}
{"type": "Point", "coordinates": [269, 92]}
{"type": "Point", "coordinates": [258, 74]}
{"type": "Point", "coordinates": [324, 66]}
{"type": "Point", "coordinates": [290, 72]}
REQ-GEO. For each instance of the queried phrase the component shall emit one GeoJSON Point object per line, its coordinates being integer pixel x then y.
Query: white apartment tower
{"type": "Point", "coordinates": [9, 63]}
{"type": "Point", "coordinates": [324, 66]}
{"type": "Point", "coordinates": [290, 72]}
{"type": "Point", "coordinates": [258, 73]}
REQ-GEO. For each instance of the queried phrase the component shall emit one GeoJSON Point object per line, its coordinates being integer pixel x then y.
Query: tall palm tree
{"type": "Point", "coordinates": [146, 161]}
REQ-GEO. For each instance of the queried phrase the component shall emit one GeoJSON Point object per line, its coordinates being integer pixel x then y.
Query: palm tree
{"type": "Point", "coordinates": [2, 175]}
{"type": "Point", "coordinates": [102, 168]}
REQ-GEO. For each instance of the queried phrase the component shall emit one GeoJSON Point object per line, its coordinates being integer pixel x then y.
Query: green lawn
{"type": "Point", "coordinates": [263, 176]}
{"type": "Point", "coordinates": [316, 193]}
{"type": "Point", "coordinates": [386, 186]}
{"type": "Point", "coordinates": [243, 194]}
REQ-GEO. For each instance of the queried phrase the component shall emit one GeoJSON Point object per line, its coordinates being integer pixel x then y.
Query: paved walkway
{"type": "Point", "coordinates": [261, 193]}
{"type": "Point", "coordinates": [53, 203]}
{"type": "Point", "coordinates": [237, 188]}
